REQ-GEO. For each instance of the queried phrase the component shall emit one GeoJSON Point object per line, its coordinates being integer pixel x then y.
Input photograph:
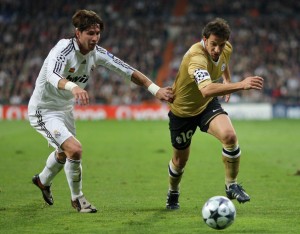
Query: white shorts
{"type": "Point", "coordinates": [55, 126]}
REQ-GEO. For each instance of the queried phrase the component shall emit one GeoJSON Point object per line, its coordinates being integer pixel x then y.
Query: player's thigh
{"type": "Point", "coordinates": [222, 128]}
{"type": "Point", "coordinates": [181, 130]}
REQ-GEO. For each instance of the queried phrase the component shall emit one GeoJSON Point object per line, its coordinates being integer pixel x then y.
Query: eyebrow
{"type": "Point", "coordinates": [223, 43]}
{"type": "Point", "coordinates": [92, 30]}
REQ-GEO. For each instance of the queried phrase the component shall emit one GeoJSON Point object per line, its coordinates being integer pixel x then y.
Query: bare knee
{"type": "Point", "coordinates": [229, 138]}
{"type": "Point", "coordinates": [61, 157]}
{"type": "Point", "coordinates": [76, 152]}
{"type": "Point", "coordinates": [72, 149]}
{"type": "Point", "coordinates": [179, 162]}
{"type": "Point", "coordinates": [180, 157]}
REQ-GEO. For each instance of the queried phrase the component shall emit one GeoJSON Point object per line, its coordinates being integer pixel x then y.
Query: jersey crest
{"type": "Point", "coordinates": [223, 67]}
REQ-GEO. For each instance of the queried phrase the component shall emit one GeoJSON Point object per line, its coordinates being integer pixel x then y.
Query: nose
{"type": "Point", "coordinates": [217, 49]}
{"type": "Point", "coordinates": [96, 37]}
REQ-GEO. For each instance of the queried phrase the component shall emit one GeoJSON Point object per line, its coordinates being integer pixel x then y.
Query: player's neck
{"type": "Point", "coordinates": [81, 48]}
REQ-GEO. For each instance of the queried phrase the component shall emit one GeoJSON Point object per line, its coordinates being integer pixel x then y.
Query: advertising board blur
{"type": "Point", "coordinates": [244, 111]}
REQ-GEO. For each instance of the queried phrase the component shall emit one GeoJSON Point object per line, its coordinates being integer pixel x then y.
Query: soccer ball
{"type": "Point", "coordinates": [218, 212]}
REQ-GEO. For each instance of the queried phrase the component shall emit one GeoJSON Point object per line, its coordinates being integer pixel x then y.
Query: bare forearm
{"type": "Point", "coordinates": [216, 89]}
{"type": "Point", "coordinates": [140, 79]}
{"type": "Point", "coordinates": [62, 83]}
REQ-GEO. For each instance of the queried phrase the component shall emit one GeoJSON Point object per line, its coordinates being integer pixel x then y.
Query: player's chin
{"type": "Point", "coordinates": [215, 57]}
{"type": "Point", "coordinates": [92, 46]}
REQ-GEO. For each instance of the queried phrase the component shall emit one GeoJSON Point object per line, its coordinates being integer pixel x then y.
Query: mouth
{"type": "Point", "coordinates": [215, 56]}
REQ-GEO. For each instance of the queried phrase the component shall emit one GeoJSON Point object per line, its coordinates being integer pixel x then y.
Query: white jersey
{"type": "Point", "coordinates": [66, 61]}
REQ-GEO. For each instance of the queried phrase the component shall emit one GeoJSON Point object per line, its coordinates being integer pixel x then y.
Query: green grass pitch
{"type": "Point", "coordinates": [125, 176]}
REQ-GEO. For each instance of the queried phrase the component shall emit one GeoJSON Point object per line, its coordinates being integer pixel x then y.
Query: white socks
{"type": "Point", "coordinates": [53, 166]}
{"type": "Point", "coordinates": [73, 170]}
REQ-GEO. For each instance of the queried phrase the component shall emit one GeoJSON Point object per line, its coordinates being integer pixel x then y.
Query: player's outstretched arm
{"type": "Point", "coordinates": [217, 89]}
{"type": "Point", "coordinates": [163, 94]}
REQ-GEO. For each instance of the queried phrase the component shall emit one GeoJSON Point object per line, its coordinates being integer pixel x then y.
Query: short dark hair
{"type": "Point", "coordinates": [84, 19]}
{"type": "Point", "coordinates": [218, 27]}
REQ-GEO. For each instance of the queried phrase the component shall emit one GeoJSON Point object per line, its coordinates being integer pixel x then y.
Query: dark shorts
{"type": "Point", "coordinates": [182, 129]}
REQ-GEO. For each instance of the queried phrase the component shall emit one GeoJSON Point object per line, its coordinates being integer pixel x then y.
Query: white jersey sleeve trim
{"type": "Point", "coordinates": [54, 79]}
{"type": "Point", "coordinates": [113, 63]}
{"type": "Point", "coordinates": [57, 59]}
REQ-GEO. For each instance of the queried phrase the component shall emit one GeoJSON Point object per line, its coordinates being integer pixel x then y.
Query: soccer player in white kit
{"type": "Point", "coordinates": [60, 84]}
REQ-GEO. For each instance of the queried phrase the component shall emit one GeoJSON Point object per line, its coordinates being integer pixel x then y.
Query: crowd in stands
{"type": "Point", "coordinates": [265, 37]}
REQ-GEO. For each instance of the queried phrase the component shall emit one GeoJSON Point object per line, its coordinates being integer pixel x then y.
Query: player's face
{"type": "Point", "coordinates": [88, 39]}
{"type": "Point", "coordinates": [214, 46]}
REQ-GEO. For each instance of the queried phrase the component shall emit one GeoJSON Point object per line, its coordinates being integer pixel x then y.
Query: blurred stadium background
{"type": "Point", "coordinates": [152, 36]}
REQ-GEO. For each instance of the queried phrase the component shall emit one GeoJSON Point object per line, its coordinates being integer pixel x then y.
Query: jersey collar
{"type": "Point", "coordinates": [76, 45]}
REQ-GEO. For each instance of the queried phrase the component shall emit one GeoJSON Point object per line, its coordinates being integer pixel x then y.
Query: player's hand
{"type": "Point", "coordinates": [226, 97]}
{"type": "Point", "coordinates": [253, 82]}
{"type": "Point", "coordinates": [165, 94]}
{"type": "Point", "coordinates": [81, 96]}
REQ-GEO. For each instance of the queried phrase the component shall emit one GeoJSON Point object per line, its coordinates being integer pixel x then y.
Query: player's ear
{"type": "Point", "coordinates": [77, 32]}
